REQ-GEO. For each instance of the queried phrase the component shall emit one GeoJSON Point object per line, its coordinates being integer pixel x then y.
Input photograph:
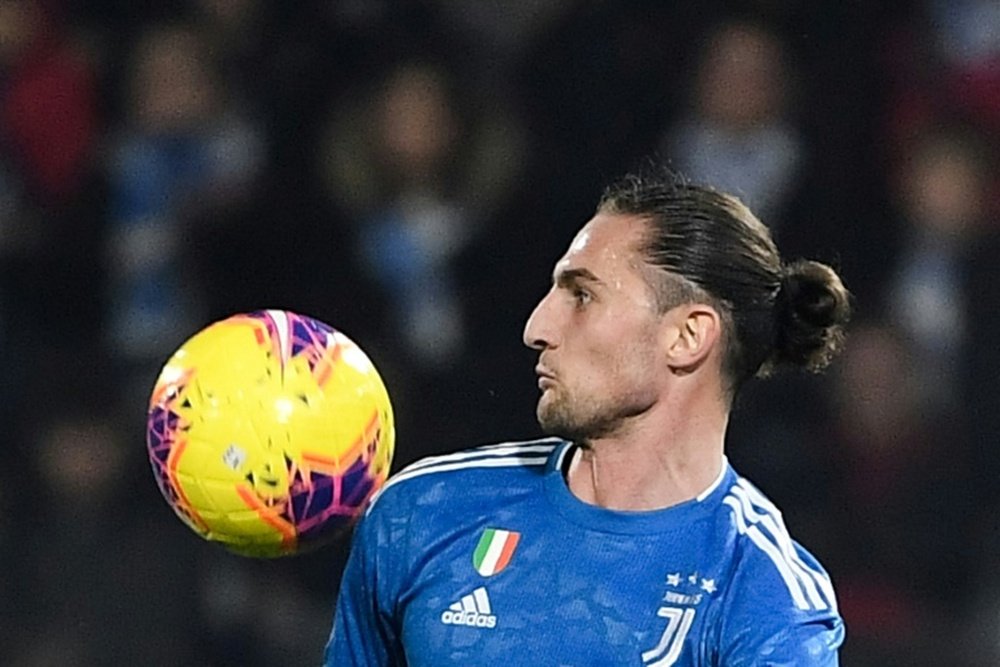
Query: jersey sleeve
{"type": "Point", "coordinates": [784, 615]}
{"type": "Point", "coordinates": [364, 631]}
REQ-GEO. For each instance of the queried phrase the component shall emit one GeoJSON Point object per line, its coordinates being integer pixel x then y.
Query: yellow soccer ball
{"type": "Point", "coordinates": [268, 432]}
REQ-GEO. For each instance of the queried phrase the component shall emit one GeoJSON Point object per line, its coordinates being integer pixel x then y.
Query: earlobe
{"type": "Point", "coordinates": [692, 336]}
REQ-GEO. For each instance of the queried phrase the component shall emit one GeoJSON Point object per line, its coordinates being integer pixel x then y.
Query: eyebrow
{"type": "Point", "coordinates": [571, 276]}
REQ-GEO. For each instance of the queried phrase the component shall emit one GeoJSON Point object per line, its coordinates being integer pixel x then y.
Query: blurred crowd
{"type": "Point", "coordinates": [408, 171]}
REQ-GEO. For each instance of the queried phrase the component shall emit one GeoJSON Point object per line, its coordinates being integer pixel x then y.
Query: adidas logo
{"type": "Point", "coordinates": [472, 611]}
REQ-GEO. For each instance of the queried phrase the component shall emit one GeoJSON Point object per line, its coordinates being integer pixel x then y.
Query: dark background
{"type": "Point", "coordinates": [409, 172]}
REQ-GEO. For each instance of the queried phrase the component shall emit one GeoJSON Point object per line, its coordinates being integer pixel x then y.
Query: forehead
{"type": "Point", "coordinates": [607, 242]}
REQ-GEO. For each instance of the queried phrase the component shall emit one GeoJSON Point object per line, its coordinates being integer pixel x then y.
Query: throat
{"type": "Point", "coordinates": [633, 479]}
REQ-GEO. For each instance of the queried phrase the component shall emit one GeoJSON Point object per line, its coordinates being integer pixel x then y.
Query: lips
{"type": "Point", "coordinates": [543, 372]}
{"type": "Point", "coordinates": [546, 378]}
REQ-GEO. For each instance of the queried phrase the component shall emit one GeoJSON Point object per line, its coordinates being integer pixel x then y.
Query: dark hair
{"type": "Point", "coordinates": [710, 246]}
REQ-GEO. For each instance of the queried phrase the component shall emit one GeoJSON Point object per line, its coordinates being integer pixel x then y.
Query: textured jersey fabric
{"type": "Point", "coordinates": [485, 557]}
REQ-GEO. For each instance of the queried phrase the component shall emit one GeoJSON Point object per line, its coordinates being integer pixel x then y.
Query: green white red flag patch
{"type": "Point", "coordinates": [494, 551]}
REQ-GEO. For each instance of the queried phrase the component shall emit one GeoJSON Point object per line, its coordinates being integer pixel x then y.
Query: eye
{"type": "Point", "coordinates": [582, 297]}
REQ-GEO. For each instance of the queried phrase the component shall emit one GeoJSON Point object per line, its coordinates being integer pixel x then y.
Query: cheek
{"type": "Point", "coordinates": [619, 366]}
{"type": "Point", "coordinates": [635, 360]}
{"type": "Point", "coordinates": [617, 353]}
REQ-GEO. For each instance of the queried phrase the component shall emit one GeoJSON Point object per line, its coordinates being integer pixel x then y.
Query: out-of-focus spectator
{"type": "Point", "coordinates": [184, 155]}
{"type": "Point", "coordinates": [417, 171]}
{"type": "Point", "coordinates": [49, 103]}
{"type": "Point", "coordinates": [942, 203]}
{"type": "Point", "coordinates": [966, 34]}
{"type": "Point", "coordinates": [737, 134]}
{"type": "Point", "coordinates": [420, 170]}
{"type": "Point", "coordinates": [898, 508]}
{"type": "Point", "coordinates": [943, 66]}
{"type": "Point", "coordinates": [49, 126]}
{"type": "Point", "coordinates": [95, 577]}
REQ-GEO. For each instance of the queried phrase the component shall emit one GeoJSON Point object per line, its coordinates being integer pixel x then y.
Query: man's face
{"type": "Point", "coordinates": [597, 331]}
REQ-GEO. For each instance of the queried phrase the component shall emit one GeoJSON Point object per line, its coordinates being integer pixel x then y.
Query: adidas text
{"type": "Point", "coordinates": [469, 618]}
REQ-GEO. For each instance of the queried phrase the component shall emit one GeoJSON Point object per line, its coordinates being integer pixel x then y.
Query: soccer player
{"type": "Point", "coordinates": [626, 539]}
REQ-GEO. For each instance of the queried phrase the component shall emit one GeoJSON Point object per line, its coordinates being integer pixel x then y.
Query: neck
{"type": "Point", "coordinates": [666, 456]}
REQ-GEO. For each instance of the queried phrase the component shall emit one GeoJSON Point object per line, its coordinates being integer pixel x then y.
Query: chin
{"type": "Point", "coordinates": [575, 427]}
{"type": "Point", "coordinates": [561, 425]}
{"type": "Point", "coordinates": [552, 424]}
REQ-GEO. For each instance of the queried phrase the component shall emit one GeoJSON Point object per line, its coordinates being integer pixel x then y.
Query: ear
{"type": "Point", "coordinates": [692, 332]}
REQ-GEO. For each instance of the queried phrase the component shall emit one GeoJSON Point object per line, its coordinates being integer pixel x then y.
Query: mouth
{"type": "Point", "coordinates": [546, 378]}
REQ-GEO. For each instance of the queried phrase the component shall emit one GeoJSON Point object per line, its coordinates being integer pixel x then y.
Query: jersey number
{"type": "Point", "coordinates": [668, 649]}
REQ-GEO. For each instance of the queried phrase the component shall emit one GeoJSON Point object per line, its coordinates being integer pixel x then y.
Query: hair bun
{"type": "Point", "coordinates": [813, 307]}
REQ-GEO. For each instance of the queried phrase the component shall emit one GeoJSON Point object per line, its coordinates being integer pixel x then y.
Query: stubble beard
{"type": "Point", "coordinates": [580, 423]}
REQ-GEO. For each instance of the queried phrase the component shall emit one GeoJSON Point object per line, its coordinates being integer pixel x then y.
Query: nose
{"type": "Point", "coordinates": [538, 330]}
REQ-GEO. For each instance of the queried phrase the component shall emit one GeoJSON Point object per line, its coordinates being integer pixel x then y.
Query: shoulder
{"type": "Point", "coordinates": [787, 574]}
{"type": "Point", "coordinates": [778, 589]}
{"type": "Point", "coordinates": [482, 469]}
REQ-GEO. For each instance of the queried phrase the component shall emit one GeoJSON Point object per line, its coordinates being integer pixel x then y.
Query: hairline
{"type": "Point", "coordinates": [671, 289]}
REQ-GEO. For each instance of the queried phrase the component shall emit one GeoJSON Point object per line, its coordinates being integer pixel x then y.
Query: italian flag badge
{"type": "Point", "coordinates": [494, 551]}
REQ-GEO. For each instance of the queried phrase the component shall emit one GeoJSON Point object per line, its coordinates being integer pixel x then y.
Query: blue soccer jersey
{"type": "Point", "coordinates": [485, 557]}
